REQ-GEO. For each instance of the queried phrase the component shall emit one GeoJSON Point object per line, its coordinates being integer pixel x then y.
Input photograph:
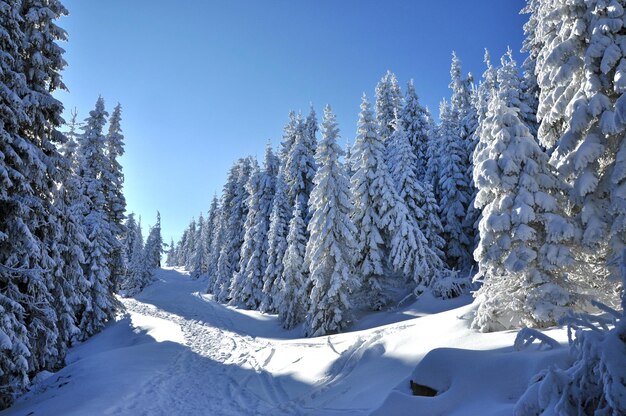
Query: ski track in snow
{"type": "Point", "coordinates": [178, 352]}
{"type": "Point", "coordinates": [207, 375]}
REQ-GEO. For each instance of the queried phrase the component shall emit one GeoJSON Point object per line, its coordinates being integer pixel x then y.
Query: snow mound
{"type": "Point", "coordinates": [470, 382]}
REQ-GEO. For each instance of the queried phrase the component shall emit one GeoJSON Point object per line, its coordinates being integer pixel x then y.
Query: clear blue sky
{"type": "Point", "coordinates": [205, 82]}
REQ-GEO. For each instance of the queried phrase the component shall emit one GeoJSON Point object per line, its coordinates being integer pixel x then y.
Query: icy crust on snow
{"type": "Point", "coordinates": [179, 352]}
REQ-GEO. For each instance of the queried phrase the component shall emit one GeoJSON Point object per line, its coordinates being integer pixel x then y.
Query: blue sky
{"type": "Point", "coordinates": [202, 83]}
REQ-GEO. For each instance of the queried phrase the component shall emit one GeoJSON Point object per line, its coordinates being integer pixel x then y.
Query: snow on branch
{"type": "Point", "coordinates": [526, 336]}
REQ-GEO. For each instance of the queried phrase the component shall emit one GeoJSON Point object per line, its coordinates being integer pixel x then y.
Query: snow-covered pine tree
{"type": "Point", "coordinates": [415, 121]}
{"type": "Point", "coordinates": [292, 299]}
{"type": "Point", "coordinates": [299, 172]}
{"type": "Point", "coordinates": [277, 245]}
{"type": "Point", "coordinates": [236, 212]}
{"type": "Point", "coordinates": [282, 209]}
{"type": "Point", "coordinates": [461, 104]}
{"type": "Point", "coordinates": [115, 200]}
{"type": "Point", "coordinates": [213, 220]}
{"type": "Point", "coordinates": [210, 232]}
{"type": "Point", "coordinates": [463, 115]}
{"type": "Point", "coordinates": [385, 238]}
{"type": "Point", "coordinates": [198, 261]}
{"type": "Point", "coordinates": [247, 282]}
{"type": "Point", "coordinates": [289, 137]}
{"type": "Point", "coordinates": [487, 86]}
{"type": "Point", "coordinates": [254, 252]}
{"type": "Point", "coordinates": [15, 238]}
{"type": "Point", "coordinates": [510, 86]}
{"type": "Point", "coordinates": [186, 245]}
{"type": "Point", "coordinates": [331, 249]}
{"type": "Point", "coordinates": [580, 71]}
{"type": "Point", "coordinates": [434, 156]}
{"type": "Point", "coordinates": [154, 245]}
{"type": "Point", "coordinates": [70, 283]}
{"type": "Point", "coordinates": [310, 130]}
{"type": "Point", "coordinates": [525, 252]}
{"type": "Point", "coordinates": [454, 188]}
{"type": "Point", "coordinates": [137, 274]}
{"type": "Point", "coordinates": [426, 259]}
{"type": "Point", "coordinates": [39, 60]}
{"type": "Point", "coordinates": [348, 160]}
{"type": "Point", "coordinates": [100, 303]}
{"type": "Point", "coordinates": [171, 255]}
{"type": "Point", "coordinates": [218, 280]}
{"type": "Point", "coordinates": [189, 244]}
{"type": "Point", "coordinates": [300, 168]}
{"type": "Point", "coordinates": [388, 104]}
{"type": "Point", "coordinates": [531, 46]}
{"type": "Point", "coordinates": [481, 97]}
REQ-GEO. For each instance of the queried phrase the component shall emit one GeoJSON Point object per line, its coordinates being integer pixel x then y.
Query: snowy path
{"type": "Point", "coordinates": [226, 370]}
{"type": "Point", "coordinates": [179, 353]}
{"type": "Point", "coordinates": [212, 359]}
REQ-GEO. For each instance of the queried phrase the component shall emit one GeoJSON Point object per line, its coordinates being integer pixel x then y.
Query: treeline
{"type": "Point", "coordinates": [64, 246]}
{"type": "Point", "coordinates": [502, 184]}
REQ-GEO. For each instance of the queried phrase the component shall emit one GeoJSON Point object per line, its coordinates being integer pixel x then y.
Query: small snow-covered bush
{"type": "Point", "coordinates": [446, 284]}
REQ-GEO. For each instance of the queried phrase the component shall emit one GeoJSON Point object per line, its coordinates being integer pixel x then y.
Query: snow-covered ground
{"type": "Point", "coordinates": [177, 352]}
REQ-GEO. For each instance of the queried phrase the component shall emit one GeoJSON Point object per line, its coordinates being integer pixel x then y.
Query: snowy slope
{"type": "Point", "coordinates": [178, 352]}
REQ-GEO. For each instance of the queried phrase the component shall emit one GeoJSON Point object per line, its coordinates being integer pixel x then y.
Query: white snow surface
{"type": "Point", "coordinates": [177, 352]}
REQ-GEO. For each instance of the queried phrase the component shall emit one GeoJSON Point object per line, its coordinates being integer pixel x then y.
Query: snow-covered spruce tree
{"type": "Point", "coordinates": [137, 275]}
{"type": "Point", "coordinates": [388, 104]}
{"type": "Point", "coordinates": [212, 226]}
{"type": "Point", "coordinates": [214, 218]}
{"type": "Point", "coordinates": [254, 252]}
{"type": "Point", "coordinates": [488, 84]}
{"type": "Point", "coordinates": [277, 245]}
{"type": "Point", "coordinates": [454, 187]}
{"type": "Point", "coordinates": [385, 238]}
{"type": "Point", "coordinates": [310, 130]}
{"type": "Point", "coordinates": [348, 160]}
{"type": "Point", "coordinates": [510, 86]}
{"type": "Point", "coordinates": [525, 255]}
{"type": "Point", "coordinates": [426, 259]}
{"type": "Point", "coordinates": [289, 137]}
{"type": "Point", "coordinates": [171, 254]}
{"type": "Point", "coordinates": [466, 117]}
{"type": "Point", "coordinates": [189, 244]}
{"type": "Point", "coordinates": [39, 60]}
{"type": "Point", "coordinates": [236, 211]}
{"type": "Point", "coordinates": [461, 105]}
{"type": "Point", "coordinates": [331, 248]}
{"type": "Point", "coordinates": [185, 244]}
{"type": "Point", "coordinates": [415, 121]}
{"type": "Point", "coordinates": [280, 216]}
{"type": "Point", "coordinates": [100, 303]}
{"type": "Point", "coordinates": [580, 71]}
{"type": "Point", "coordinates": [198, 261]}
{"type": "Point", "coordinates": [70, 283]}
{"type": "Point", "coordinates": [433, 157]}
{"type": "Point", "coordinates": [115, 200]}
{"type": "Point", "coordinates": [292, 299]}
{"type": "Point", "coordinates": [594, 383]}
{"type": "Point", "coordinates": [300, 168]}
{"type": "Point", "coordinates": [217, 281]}
{"type": "Point", "coordinates": [154, 246]}
{"type": "Point", "coordinates": [247, 282]}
